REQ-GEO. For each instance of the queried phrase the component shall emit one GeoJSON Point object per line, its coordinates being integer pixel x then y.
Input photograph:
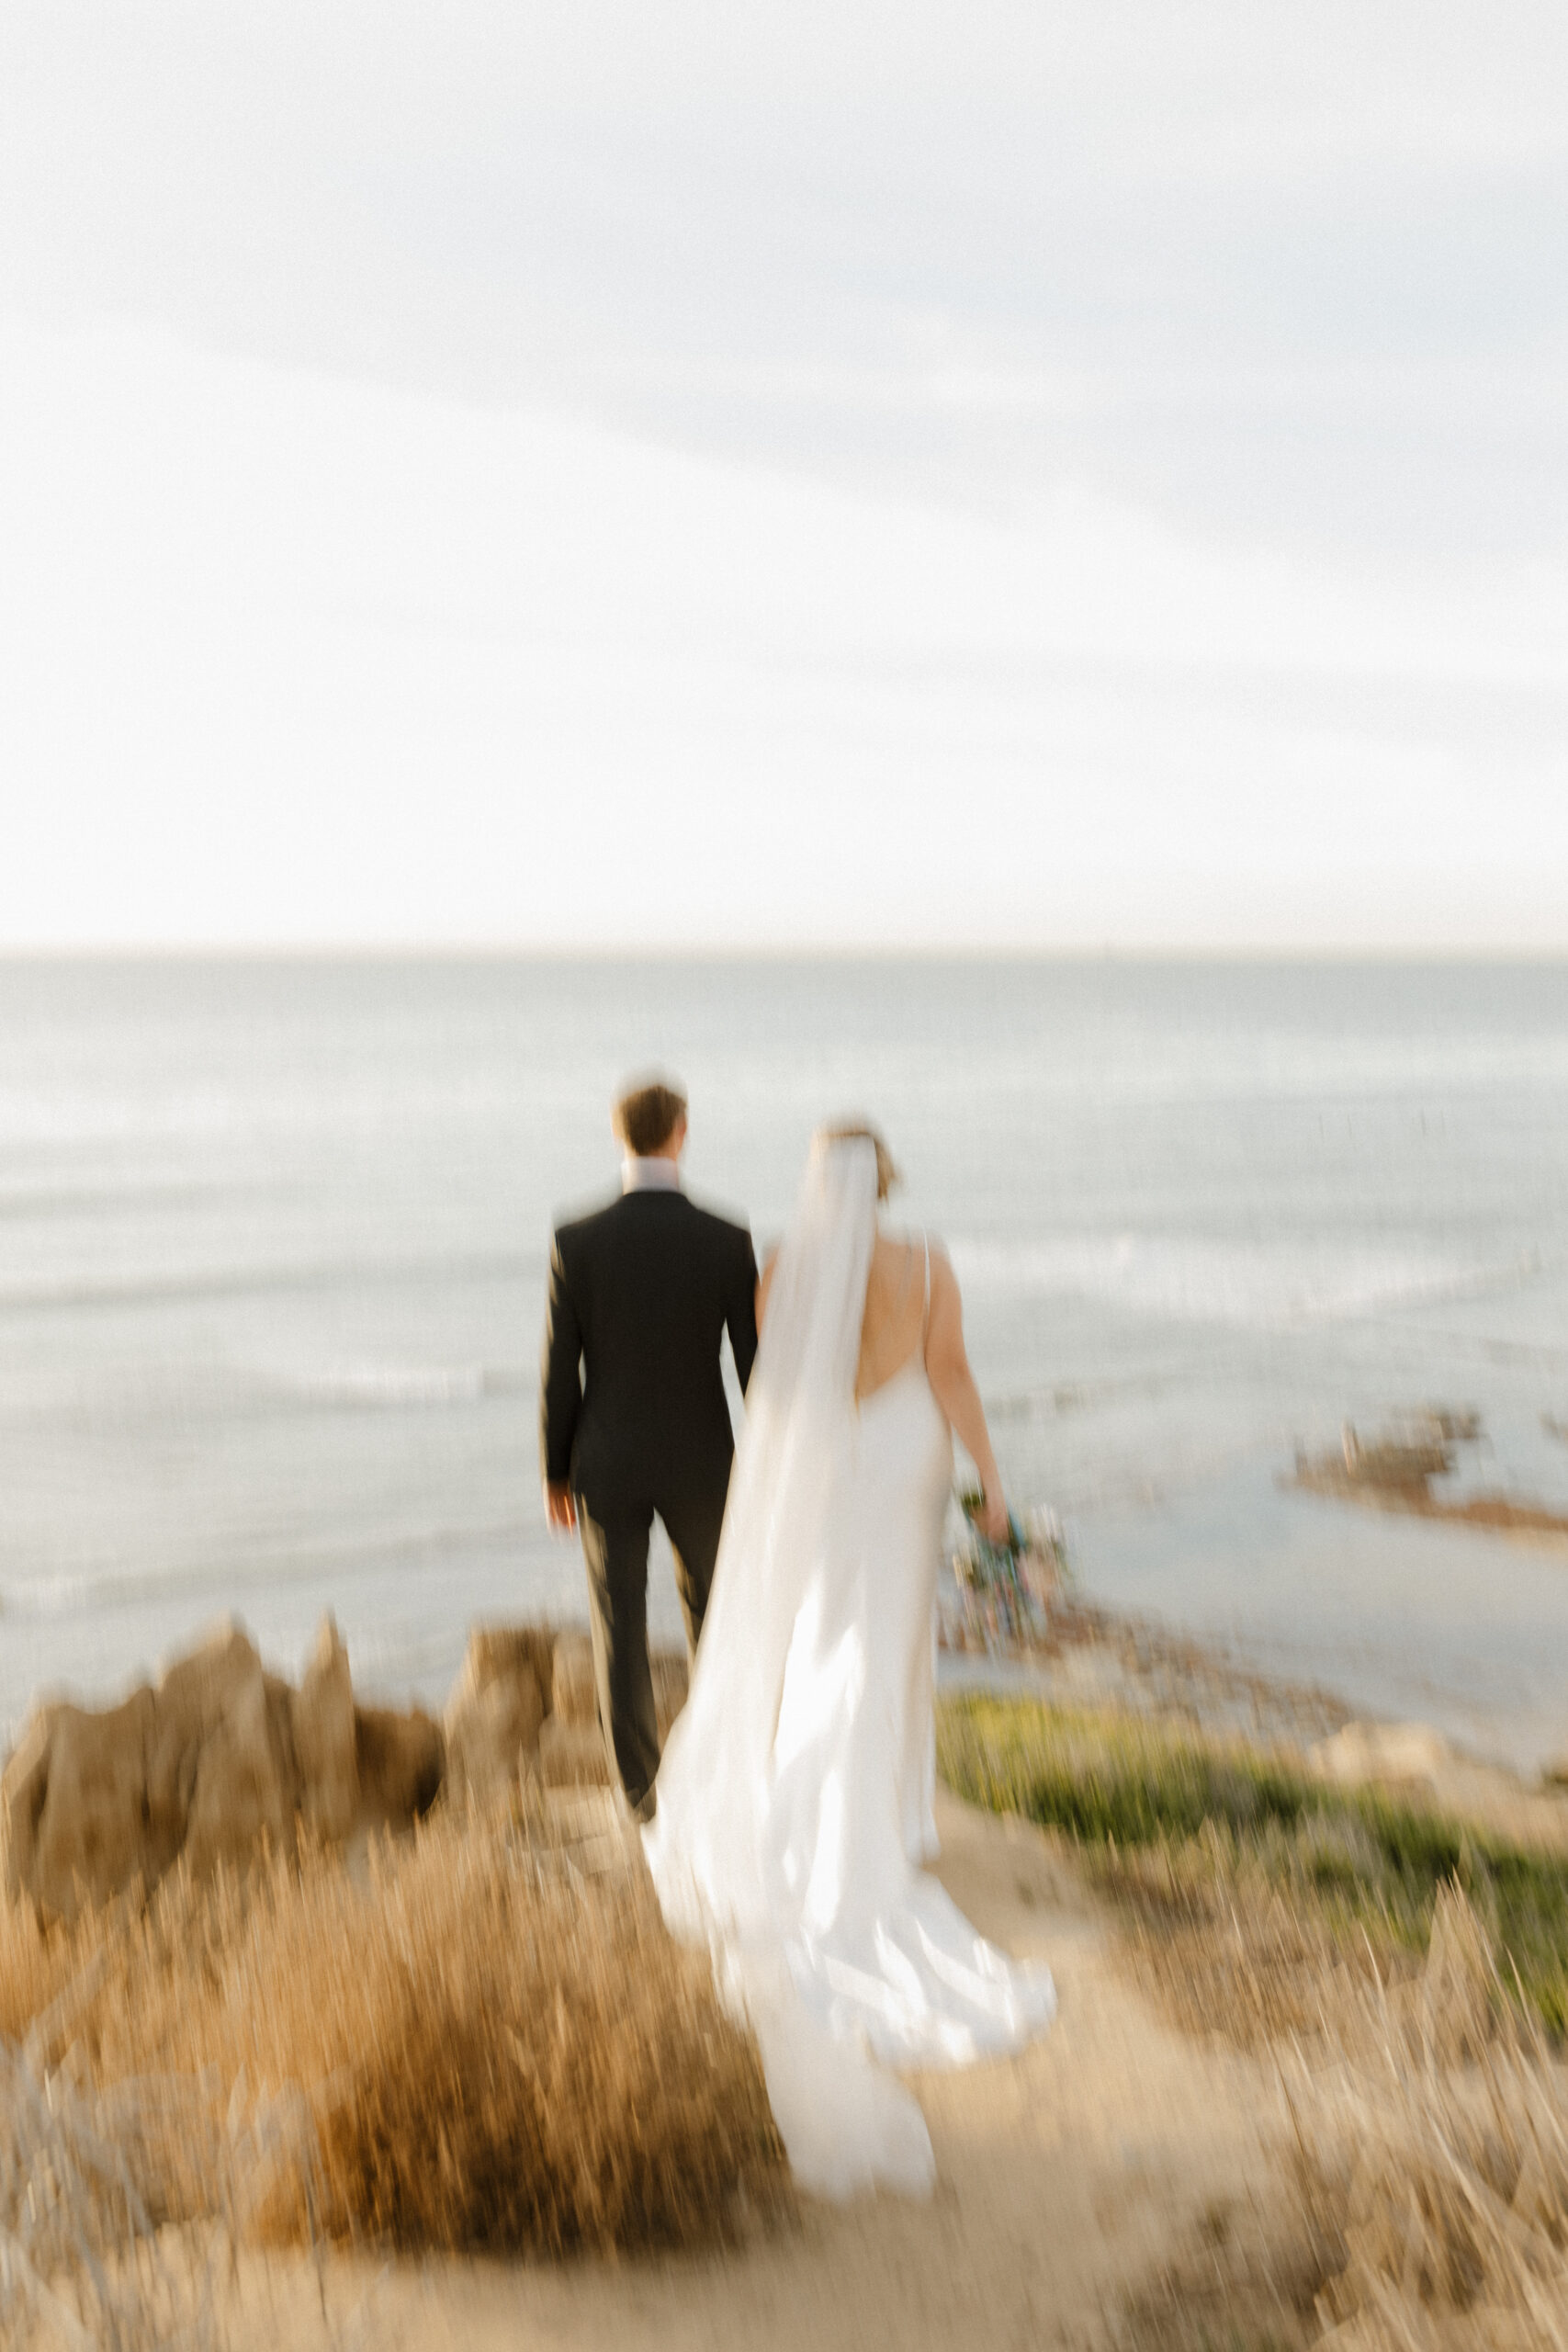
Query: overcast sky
{"type": "Point", "coordinates": [1039, 474]}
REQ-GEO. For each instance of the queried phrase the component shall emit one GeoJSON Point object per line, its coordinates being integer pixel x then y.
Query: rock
{"type": "Point", "coordinates": [1363, 1752]}
{"type": "Point", "coordinates": [496, 1652]}
{"type": "Point", "coordinates": [577, 1695]}
{"type": "Point", "coordinates": [221, 1759]}
{"type": "Point", "coordinates": [325, 1746]}
{"type": "Point", "coordinates": [23, 1788]}
{"type": "Point", "coordinates": [495, 1710]}
{"type": "Point", "coordinates": [492, 1736]}
{"type": "Point", "coordinates": [220, 1768]}
{"type": "Point", "coordinates": [572, 1755]}
{"type": "Point", "coordinates": [191, 1699]}
{"type": "Point", "coordinates": [216, 1761]}
{"type": "Point", "coordinates": [526, 1695]}
{"type": "Point", "coordinates": [75, 1797]}
{"type": "Point", "coordinates": [402, 1761]}
{"type": "Point", "coordinates": [241, 1797]}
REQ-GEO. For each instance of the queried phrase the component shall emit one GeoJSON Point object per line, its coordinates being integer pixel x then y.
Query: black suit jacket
{"type": "Point", "coordinates": [640, 1294]}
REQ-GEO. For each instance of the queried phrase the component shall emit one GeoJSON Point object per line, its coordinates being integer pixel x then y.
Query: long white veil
{"type": "Point", "coordinates": [798, 1419]}
{"type": "Point", "coordinates": [844, 2122]}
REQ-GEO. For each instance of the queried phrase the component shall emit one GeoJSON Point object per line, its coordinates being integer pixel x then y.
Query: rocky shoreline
{"type": "Point", "coordinates": [1393, 1471]}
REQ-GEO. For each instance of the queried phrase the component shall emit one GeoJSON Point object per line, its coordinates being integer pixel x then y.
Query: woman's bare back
{"type": "Point", "coordinates": [908, 1316]}
{"type": "Point", "coordinates": [894, 1328]}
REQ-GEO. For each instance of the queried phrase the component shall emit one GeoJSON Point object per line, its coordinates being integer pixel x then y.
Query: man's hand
{"type": "Point", "coordinates": [559, 1509]}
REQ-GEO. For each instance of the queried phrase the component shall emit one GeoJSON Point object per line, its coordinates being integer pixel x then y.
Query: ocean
{"type": "Point", "coordinates": [273, 1238]}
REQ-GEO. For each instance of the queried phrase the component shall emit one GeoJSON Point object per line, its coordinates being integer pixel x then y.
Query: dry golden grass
{"type": "Point", "coordinates": [1433, 2160]}
{"type": "Point", "coordinates": [1228, 1951]}
{"type": "Point", "coordinates": [486, 2050]}
{"type": "Point", "coordinates": [1423, 2206]}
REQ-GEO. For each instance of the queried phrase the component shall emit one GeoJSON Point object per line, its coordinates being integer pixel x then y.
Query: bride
{"type": "Point", "coordinates": [796, 1791]}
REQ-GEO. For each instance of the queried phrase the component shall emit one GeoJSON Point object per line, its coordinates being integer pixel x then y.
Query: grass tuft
{"type": "Point", "coordinates": [1432, 2159]}
{"type": "Point", "coordinates": [481, 2048]}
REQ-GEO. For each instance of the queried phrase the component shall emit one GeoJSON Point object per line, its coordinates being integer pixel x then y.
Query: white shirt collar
{"type": "Point", "coordinates": [656, 1175]}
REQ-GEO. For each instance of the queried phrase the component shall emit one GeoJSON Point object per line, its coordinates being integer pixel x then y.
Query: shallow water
{"type": "Point", "coordinates": [272, 1240]}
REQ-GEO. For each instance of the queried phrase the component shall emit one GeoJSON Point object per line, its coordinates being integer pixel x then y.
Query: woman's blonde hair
{"type": "Point", "coordinates": [848, 1131]}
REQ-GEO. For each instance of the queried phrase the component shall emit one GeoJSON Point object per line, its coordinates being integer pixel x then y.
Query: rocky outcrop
{"type": "Point", "coordinates": [221, 1759]}
{"type": "Point", "coordinates": [526, 1702]}
{"type": "Point", "coordinates": [401, 1762]}
{"type": "Point", "coordinates": [207, 1767]}
{"type": "Point", "coordinates": [325, 1741]}
{"type": "Point", "coordinates": [1395, 1471]}
{"type": "Point", "coordinates": [75, 1811]}
{"type": "Point", "coordinates": [499, 1703]}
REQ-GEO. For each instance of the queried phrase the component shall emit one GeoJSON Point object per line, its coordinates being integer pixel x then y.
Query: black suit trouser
{"type": "Point", "coordinates": [615, 1547]}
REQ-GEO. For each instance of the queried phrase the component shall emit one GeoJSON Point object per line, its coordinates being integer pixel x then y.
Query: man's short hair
{"type": "Point", "coordinates": [648, 1113]}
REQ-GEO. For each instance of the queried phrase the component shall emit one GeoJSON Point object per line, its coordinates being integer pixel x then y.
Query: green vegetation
{"type": "Point", "coordinates": [1186, 1831]}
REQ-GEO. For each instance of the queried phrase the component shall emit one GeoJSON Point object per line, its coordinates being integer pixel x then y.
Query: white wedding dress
{"type": "Point", "coordinates": [796, 1791]}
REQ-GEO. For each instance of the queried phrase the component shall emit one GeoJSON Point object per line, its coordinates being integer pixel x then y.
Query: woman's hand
{"type": "Point", "coordinates": [993, 1519]}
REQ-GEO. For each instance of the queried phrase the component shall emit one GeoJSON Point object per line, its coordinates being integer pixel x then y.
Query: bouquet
{"type": "Point", "coordinates": [1007, 1590]}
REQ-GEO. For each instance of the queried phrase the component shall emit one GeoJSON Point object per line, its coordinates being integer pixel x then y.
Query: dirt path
{"type": "Point", "coordinates": [1064, 2175]}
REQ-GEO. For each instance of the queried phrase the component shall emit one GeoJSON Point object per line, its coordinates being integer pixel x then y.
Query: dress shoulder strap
{"type": "Point", "coordinates": [926, 1312]}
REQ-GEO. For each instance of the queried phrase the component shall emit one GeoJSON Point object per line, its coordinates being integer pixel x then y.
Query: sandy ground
{"type": "Point", "coordinates": [1066, 2175]}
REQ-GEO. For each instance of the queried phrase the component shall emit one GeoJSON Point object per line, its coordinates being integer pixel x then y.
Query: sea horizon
{"type": "Point", "coordinates": [1371, 955]}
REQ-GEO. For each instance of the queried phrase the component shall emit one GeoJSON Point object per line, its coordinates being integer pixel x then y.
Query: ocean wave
{"type": "Point", "coordinates": [85, 1592]}
{"type": "Point", "coordinates": [174, 1287]}
{"type": "Point", "coordinates": [154, 1396]}
{"type": "Point", "coordinates": [401, 1386]}
{"type": "Point", "coordinates": [120, 1196]}
{"type": "Point", "coordinates": [1252, 1287]}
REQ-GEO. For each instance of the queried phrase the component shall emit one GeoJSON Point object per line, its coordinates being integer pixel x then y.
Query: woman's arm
{"type": "Point", "coordinates": [952, 1385]}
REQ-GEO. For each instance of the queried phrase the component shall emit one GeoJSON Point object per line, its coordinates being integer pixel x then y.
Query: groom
{"type": "Point", "coordinates": [640, 1295]}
